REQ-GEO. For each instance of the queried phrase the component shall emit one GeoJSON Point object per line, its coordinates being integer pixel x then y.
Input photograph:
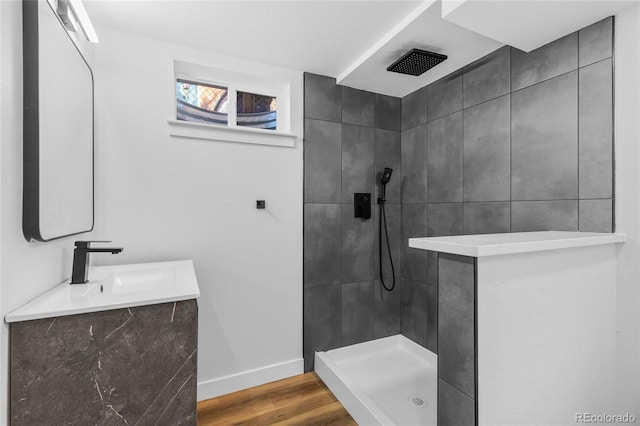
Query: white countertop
{"type": "Point", "coordinates": [115, 287]}
{"type": "Point", "coordinates": [516, 242]}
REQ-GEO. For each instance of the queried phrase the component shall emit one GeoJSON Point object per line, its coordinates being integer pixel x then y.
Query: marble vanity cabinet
{"type": "Point", "coordinates": [526, 326]}
{"type": "Point", "coordinates": [129, 357]}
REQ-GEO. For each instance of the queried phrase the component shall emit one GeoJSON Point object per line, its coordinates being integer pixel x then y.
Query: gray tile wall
{"type": "Point", "coordinates": [512, 142]}
{"type": "Point", "coordinates": [457, 377]}
{"type": "Point", "coordinates": [350, 136]}
{"type": "Point", "coordinates": [456, 316]}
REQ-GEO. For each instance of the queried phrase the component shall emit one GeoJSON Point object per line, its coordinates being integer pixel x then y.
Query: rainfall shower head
{"type": "Point", "coordinates": [416, 62]}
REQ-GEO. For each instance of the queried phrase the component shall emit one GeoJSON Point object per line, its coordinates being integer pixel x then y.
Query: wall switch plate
{"type": "Point", "coordinates": [261, 204]}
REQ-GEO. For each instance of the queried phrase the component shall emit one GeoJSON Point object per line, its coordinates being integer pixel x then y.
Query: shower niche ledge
{"type": "Point", "coordinates": [526, 326]}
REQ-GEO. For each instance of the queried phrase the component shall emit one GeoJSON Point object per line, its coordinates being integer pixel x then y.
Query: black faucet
{"type": "Point", "coordinates": [81, 259]}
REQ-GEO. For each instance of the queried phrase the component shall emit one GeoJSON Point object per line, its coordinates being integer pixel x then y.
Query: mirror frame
{"type": "Point", "coordinates": [31, 124]}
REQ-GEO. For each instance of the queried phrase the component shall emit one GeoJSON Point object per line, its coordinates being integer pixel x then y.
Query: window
{"type": "Point", "coordinates": [202, 102]}
{"type": "Point", "coordinates": [226, 105]}
{"type": "Point", "coordinates": [257, 111]}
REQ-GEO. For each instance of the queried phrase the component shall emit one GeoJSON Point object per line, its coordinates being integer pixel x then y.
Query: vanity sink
{"type": "Point", "coordinates": [78, 351]}
{"type": "Point", "coordinates": [115, 287]}
{"type": "Point", "coordinates": [136, 281]}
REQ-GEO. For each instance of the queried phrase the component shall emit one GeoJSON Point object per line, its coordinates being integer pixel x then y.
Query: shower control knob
{"type": "Point", "coordinates": [362, 205]}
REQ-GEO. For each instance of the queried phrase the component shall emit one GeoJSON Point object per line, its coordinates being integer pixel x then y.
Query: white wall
{"type": "Point", "coordinates": [627, 154]}
{"type": "Point", "coordinates": [555, 355]}
{"type": "Point", "coordinates": [164, 198]}
{"type": "Point", "coordinates": [26, 269]}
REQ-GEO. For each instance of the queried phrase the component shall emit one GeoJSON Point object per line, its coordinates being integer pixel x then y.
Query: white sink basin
{"type": "Point", "coordinates": [137, 281]}
{"type": "Point", "coordinates": [115, 287]}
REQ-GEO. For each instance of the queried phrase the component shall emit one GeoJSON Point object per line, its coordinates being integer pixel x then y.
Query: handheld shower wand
{"type": "Point", "coordinates": [386, 176]}
{"type": "Point", "coordinates": [384, 180]}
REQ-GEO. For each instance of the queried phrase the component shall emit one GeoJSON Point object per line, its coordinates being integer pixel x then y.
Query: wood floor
{"type": "Point", "coordinates": [298, 400]}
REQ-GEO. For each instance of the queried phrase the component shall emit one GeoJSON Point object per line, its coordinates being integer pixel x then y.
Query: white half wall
{"type": "Point", "coordinates": [627, 206]}
{"type": "Point", "coordinates": [546, 336]}
{"type": "Point", "coordinates": [167, 198]}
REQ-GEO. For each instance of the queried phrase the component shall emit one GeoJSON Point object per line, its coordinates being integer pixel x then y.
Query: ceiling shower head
{"type": "Point", "coordinates": [416, 61]}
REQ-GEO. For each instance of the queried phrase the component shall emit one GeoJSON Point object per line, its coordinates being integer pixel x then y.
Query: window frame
{"type": "Point", "coordinates": [234, 82]}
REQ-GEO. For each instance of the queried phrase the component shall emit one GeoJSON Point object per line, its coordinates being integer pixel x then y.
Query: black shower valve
{"type": "Point", "coordinates": [362, 205]}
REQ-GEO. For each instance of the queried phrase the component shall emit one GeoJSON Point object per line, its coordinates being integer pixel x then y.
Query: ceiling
{"type": "Point", "coordinates": [322, 37]}
{"type": "Point", "coordinates": [529, 24]}
{"type": "Point", "coordinates": [426, 31]}
{"type": "Point", "coordinates": [352, 40]}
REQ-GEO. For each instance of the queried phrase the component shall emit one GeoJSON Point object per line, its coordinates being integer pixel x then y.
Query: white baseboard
{"type": "Point", "coordinates": [246, 379]}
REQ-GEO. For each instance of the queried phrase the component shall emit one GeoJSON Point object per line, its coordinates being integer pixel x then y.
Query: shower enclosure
{"type": "Point", "coordinates": [494, 147]}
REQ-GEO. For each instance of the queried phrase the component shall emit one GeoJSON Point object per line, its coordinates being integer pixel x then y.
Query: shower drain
{"type": "Point", "coordinates": [416, 400]}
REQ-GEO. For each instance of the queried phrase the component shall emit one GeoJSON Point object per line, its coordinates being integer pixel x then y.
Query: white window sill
{"type": "Point", "coordinates": [188, 129]}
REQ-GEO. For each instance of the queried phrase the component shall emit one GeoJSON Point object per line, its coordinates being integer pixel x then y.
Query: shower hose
{"type": "Point", "coordinates": [383, 221]}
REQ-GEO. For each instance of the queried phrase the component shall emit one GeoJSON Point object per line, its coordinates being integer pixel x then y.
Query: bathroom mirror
{"type": "Point", "coordinates": [58, 129]}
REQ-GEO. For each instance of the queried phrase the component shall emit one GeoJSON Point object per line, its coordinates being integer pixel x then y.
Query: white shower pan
{"type": "Point", "coordinates": [388, 381]}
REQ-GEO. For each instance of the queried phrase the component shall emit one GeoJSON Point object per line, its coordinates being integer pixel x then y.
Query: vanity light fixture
{"type": "Point", "coordinates": [66, 15]}
{"type": "Point", "coordinates": [83, 19]}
